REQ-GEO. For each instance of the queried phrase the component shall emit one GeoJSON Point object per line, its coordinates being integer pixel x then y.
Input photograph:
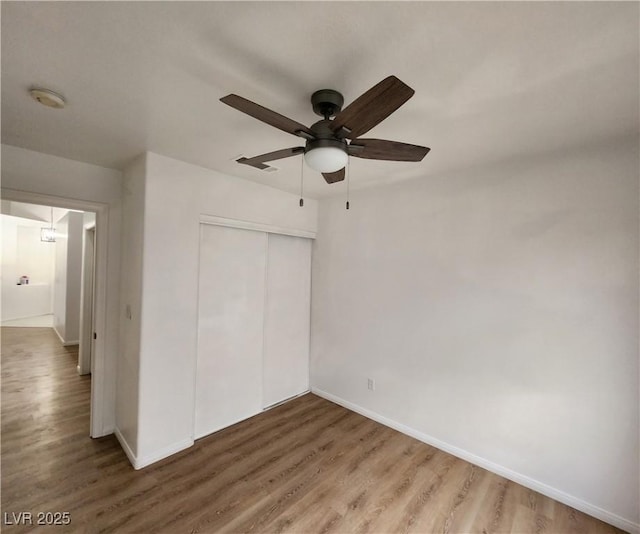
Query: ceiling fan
{"type": "Point", "coordinates": [330, 142]}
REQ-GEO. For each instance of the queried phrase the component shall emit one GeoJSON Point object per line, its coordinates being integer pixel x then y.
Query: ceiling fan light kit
{"type": "Point", "coordinates": [330, 142]}
{"type": "Point", "coordinates": [326, 155]}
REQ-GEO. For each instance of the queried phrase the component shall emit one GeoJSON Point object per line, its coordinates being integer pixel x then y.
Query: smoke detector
{"type": "Point", "coordinates": [47, 98]}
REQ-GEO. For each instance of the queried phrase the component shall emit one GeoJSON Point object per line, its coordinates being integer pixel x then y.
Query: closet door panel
{"type": "Point", "coordinates": [230, 327]}
{"type": "Point", "coordinates": [286, 327]}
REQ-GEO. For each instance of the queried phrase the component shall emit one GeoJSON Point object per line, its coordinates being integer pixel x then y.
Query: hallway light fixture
{"type": "Point", "coordinates": [48, 234]}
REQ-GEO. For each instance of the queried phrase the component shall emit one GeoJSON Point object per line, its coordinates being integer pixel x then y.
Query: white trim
{"type": "Point", "coordinates": [540, 487]}
{"type": "Point", "coordinates": [265, 296]}
{"type": "Point", "coordinates": [101, 209]}
{"type": "Point", "coordinates": [125, 447]}
{"type": "Point", "coordinates": [58, 334]}
{"type": "Point", "coordinates": [260, 227]}
{"type": "Point", "coordinates": [284, 401]}
{"type": "Point", "coordinates": [247, 417]}
{"type": "Point", "coordinates": [64, 343]}
{"type": "Point", "coordinates": [139, 463]}
{"type": "Point", "coordinates": [161, 454]}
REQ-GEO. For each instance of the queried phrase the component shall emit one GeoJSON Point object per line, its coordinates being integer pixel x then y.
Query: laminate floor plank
{"type": "Point", "coordinates": [306, 466]}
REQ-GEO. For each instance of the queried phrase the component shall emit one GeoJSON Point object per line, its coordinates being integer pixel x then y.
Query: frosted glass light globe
{"type": "Point", "coordinates": [326, 159]}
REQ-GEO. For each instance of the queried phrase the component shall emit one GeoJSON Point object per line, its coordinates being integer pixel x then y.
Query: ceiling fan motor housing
{"type": "Point", "coordinates": [324, 137]}
{"type": "Point", "coordinates": [327, 102]}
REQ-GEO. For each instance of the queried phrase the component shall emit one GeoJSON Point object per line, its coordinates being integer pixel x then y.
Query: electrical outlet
{"type": "Point", "coordinates": [371, 384]}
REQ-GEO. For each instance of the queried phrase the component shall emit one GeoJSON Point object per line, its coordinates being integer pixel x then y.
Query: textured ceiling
{"type": "Point", "coordinates": [493, 81]}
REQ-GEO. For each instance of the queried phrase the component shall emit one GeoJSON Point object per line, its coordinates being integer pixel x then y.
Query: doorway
{"type": "Point", "coordinates": [99, 387]}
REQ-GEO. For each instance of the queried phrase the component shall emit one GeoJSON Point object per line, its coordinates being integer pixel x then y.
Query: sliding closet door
{"type": "Point", "coordinates": [286, 327]}
{"type": "Point", "coordinates": [230, 327]}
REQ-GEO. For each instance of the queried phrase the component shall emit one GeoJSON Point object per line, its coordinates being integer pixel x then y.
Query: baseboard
{"type": "Point", "coordinates": [161, 454]}
{"type": "Point", "coordinates": [284, 401]}
{"type": "Point", "coordinates": [540, 487]}
{"type": "Point", "coordinates": [65, 343]}
{"type": "Point", "coordinates": [125, 447]}
{"type": "Point", "coordinates": [144, 461]}
{"type": "Point", "coordinates": [58, 334]}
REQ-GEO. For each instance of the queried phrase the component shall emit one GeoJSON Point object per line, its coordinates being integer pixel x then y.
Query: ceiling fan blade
{"type": "Point", "coordinates": [371, 108]}
{"type": "Point", "coordinates": [387, 150]}
{"type": "Point", "coordinates": [333, 177]}
{"type": "Point", "coordinates": [258, 161]}
{"type": "Point", "coordinates": [266, 115]}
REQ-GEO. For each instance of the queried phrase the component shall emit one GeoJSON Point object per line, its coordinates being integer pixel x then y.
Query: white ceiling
{"type": "Point", "coordinates": [493, 81]}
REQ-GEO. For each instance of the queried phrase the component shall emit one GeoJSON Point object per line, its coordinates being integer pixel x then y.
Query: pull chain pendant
{"type": "Point", "coordinates": [348, 176]}
{"type": "Point", "coordinates": [301, 181]}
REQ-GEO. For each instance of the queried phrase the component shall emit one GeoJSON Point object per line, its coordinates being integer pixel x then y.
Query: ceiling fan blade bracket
{"type": "Point", "coordinates": [305, 135]}
{"type": "Point", "coordinates": [342, 132]}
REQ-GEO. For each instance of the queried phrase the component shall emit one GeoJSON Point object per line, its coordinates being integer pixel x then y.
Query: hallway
{"type": "Point", "coordinates": [48, 459]}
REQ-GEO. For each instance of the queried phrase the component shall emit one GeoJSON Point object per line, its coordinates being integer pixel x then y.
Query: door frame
{"type": "Point", "coordinates": [87, 299]}
{"type": "Point", "coordinates": [98, 378]}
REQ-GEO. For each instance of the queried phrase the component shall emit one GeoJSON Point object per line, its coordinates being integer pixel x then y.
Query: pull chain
{"type": "Point", "coordinates": [301, 180]}
{"type": "Point", "coordinates": [348, 176]}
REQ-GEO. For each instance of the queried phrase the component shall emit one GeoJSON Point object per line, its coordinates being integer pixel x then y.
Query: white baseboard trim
{"type": "Point", "coordinates": [540, 487]}
{"type": "Point", "coordinates": [284, 401]}
{"type": "Point", "coordinates": [65, 343]}
{"type": "Point", "coordinates": [125, 447]}
{"type": "Point", "coordinates": [58, 334]}
{"type": "Point", "coordinates": [161, 454]}
{"type": "Point", "coordinates": [139, 463]}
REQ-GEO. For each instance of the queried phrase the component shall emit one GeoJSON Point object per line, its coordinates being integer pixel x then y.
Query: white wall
{"type": "Point", "coordinates": [497, 311]}
{"type": "Point", "coordinates": [34, 173]}
{"type": "Point", "coordinates": [23, 253]}
{"type": "Point", "coordinates": [74, 276]}
{"type": "Point", "coordinates": [176, 194]}
{"type": "Point", "coordinates": [68, 274]}
{"type": "Point", "coordinates": [60, 280]}
{"type": "Point", "coordinates": [131, 304]}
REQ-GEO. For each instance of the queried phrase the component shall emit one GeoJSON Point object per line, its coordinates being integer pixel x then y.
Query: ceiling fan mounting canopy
{"type": "Point", "coordinates": [330, 142]}
{"type": "Point", "coordinates": [327, 102]}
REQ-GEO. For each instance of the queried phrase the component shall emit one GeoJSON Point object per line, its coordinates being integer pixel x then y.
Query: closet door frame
{"type": "Point", "coordinates": [245, 225]}
{"type": "Point", "coordinates": [260, 227]}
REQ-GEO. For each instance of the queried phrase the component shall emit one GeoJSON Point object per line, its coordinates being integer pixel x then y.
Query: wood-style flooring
{"type": "Point", "coordinates": [306, 466]}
